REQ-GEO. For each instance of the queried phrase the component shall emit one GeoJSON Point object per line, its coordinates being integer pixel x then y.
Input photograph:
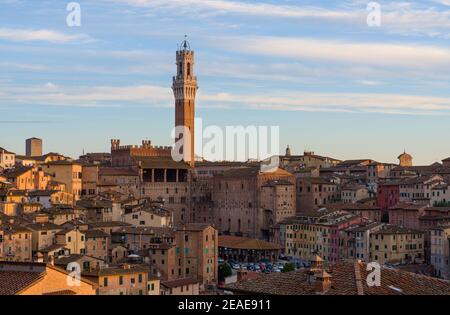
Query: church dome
{"type": "Point", "coordinates": [404, 155]}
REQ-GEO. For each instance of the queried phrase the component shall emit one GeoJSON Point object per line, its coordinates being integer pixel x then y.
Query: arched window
{"type": "Point", "coordinates": [181, 68]}
{"type": "Point", "coordinates": [189, 68]}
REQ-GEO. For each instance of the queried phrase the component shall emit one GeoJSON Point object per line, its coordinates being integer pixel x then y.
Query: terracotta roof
{"type": "Point", "coordinates": [355, 162]}
{"type": "Point", "coordinates": [237, 242]}
{"type": "Point", "coordinates": [178, 282]}
{"type": "Point", "coordinates": [316, 180]}
{"type": "Point", "coordinates": [347, 278]}
{"type": "Point", "coordinates": [44, 226]}
{"type": "Point", "coordinates": [159, 162]}
{"type": "Point", "coordinates": [3, 150]}
{"type": "Point", "coordinates": [65, 260]}
{"type": "Point", "coordinates": [138, 230]}
{"type": "Point", "coordinates": [95, 233]}
{"type": "Point", "coordinates": [62, 162]}
{"type": "Point", "coordinates": [62, 292]}
{"type": "Point", "coordinates": [393, 229]}
{"type": "Point", "coordinates": [193, 226]}
{"type": "Point", "coordinates": [117, 171]}
{"type": "Point", "coordinates": [17, 171]}
{"type": "Point", "coordinates": [13, 228]}
{"type": "Point", "coordinates": [107, 224]}
{"type": "Point", "coordinates": [47, 192]}
{"type": "Point", "coordinates": [241, 172]}
{"type": "Point", "coordinates": [94, 204]}
{"type": "Point", "coordinates": [12, 282]}
{"type": "Point", "coordinates": [52, 248]}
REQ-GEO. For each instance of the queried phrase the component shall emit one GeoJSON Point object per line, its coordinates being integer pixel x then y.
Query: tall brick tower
{"type": "Point", "coordinates": [184, 89]}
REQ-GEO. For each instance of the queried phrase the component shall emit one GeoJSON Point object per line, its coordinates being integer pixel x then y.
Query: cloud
{"type": "Point", "coordinates": [239, 7]}
{"type": "Point", "coordinates": [97, 96]}
{"type": "Point", "coordinates": [338, 102]}
{"type": "Point", "coordinates": [379, 54]}
{"type": "Point", "coordinates": [404, 18]}
{"type": "Point", "coordinates": [443, 2]}
{"type": "Point", "coordinates": [158, 96]}
{"type": "Point", "coordinates": [42, 35]}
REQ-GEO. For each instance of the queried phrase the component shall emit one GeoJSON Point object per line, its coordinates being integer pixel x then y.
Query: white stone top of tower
{"type": "Point", "coordinates": [184, 45]}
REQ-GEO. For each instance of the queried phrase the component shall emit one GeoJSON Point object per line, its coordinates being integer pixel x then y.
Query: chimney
{"type": "Point", "coordinates": [323, 282]}
{"type": "Point", "coordinates": [126, 266]}
{"type": "Point", "coordinates": [39, 258]}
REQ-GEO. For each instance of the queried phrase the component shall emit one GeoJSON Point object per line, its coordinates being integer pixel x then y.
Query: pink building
{"type": "Point", "coordinates": [388, 194]}
{"type": "Point", "coordinates": [337, 243]}
{"type": "Point", "coordinates": [407, 215]}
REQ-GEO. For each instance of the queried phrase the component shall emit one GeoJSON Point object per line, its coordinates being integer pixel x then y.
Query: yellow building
{"type": "Point", "coordinates": [393, 244]}
{"type": "Point", "coordinates": [26, 278]}
{"type": "Point", "coordinates": [68, 173]}
{"type": "Point", "coordinates": [22, 177]}
{"type": "Point", "coordinates": [15, 242]}
{"type": "Point", "coordinates": [306, 240]}
{"type": "Point", "coordinates": [43, 234]}
{"type": "Point", "coordinates": [73, 239]}
{"type": "Point", "coordinates": [123, 280]}
{"type": "Point", "coordinates": [149, 216]}
{"type": "Point", "coordinates": [153, 286]}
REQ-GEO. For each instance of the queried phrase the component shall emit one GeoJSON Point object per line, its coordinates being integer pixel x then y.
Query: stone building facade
{"type": "Point", "coordinates": [237, 199]}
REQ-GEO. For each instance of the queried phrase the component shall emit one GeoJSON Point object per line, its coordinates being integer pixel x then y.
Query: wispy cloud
{"type": "Point", "coordinates": [84, 96]}
{"type": "Point", "coordinates": [406, 18]}
{"type": "Point", "coordinates": [239, 7]}
{"type": "Point", "coordinates": [338, 102]}
{"type": "Point", "coordinates": [42, 35]}
{"type": "Point", "coordinates": [401, 55]}
{"type": "Point", "coordinates": [158, 96]}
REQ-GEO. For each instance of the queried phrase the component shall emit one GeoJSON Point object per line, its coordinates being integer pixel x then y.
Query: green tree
{"type": "Point", "coordinates": [288, 267]}
{"type": "Point", "coordinates": [224, 271]}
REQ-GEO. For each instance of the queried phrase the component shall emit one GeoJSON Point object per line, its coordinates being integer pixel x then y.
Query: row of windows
{"type": "Point", "coordinates": [121, 282]}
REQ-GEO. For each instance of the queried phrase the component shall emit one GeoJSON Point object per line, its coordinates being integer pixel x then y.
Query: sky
{"type": "Point", "coordinates": [332, 83]}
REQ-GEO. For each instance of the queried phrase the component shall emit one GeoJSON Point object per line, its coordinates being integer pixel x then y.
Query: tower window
{"type": "Point", "coordinates": [181, 68]}
{"type": "Point", "coordinates": [189, 68]}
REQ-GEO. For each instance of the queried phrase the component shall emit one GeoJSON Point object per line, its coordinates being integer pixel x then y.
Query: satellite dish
{"type": "Point", "coordinates": [133, 256]}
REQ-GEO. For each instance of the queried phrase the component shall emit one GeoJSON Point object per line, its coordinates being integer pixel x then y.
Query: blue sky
{"type": "Point", "coordinates": [333, 84]}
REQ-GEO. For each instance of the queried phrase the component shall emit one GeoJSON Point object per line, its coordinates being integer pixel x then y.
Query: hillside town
{"type": "Point", "coordinates": [133, 221]}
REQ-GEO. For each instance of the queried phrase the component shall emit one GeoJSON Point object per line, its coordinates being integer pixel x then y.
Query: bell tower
{"type": "Point", "coordinates": [184, 88]}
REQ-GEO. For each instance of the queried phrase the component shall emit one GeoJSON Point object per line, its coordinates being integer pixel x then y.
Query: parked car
{"type": "Point", "coordinates": [220, 260]}
{"type": "Point", "coordinates": [235, 266]}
